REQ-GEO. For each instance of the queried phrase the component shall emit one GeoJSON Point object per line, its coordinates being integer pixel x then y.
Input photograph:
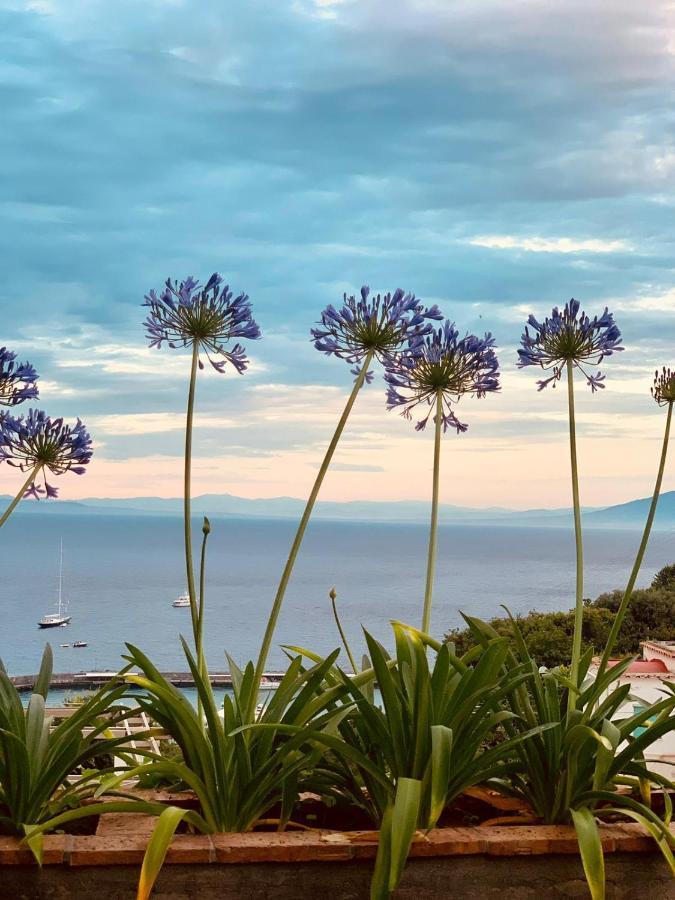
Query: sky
{"type": "Point", "coordinates": [495, 158]}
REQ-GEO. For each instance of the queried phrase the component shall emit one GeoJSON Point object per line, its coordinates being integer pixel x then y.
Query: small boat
{"type": "Point", "coordinates": [65, 645]}
{"type": "Point", "coordinates": [79, 643]}
{"type": "Point", "coordinates": [183, 600]}
{"type": "Point", "coordinates": [59, 619]}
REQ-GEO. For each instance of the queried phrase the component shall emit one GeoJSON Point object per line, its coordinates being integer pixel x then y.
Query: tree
{"type": "Point", "coordinates": [548, 635]}
{"type": "Point", "coordinates": [665, 578]}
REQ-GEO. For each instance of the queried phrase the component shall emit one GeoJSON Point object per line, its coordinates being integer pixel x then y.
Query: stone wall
{"type": "Point", "coordinates": [629, 876]}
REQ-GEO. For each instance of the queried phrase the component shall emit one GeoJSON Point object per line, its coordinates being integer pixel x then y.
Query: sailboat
{"type": "Point", "coordinates": [57, 619]}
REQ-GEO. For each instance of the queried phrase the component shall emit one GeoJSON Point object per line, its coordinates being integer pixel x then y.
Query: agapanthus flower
{"type": "Point", "coordinates": [442, 363]}
{"type": "Point", "coordinates": [37, 441]}
{"type": "Point", "coordinates": [663, 389]}
{"type": "Point", "coordinates": [377, 325]}
{"type": "Point", "coordinates": [17, 380]}
{"type": "Point", "coordinates": [570, 336]}
{"type": "Point", "coordinates": [186, 314]}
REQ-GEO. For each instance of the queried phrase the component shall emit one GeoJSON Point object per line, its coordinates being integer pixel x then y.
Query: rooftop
{"type": "Point", "coordinates": [667, 647]}
{"type": "Point", "coordinates": [643, 666]}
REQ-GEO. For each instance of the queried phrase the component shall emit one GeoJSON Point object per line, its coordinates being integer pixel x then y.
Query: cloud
{"type": "Point", "coordinates": [122, 359]}
{"type": "Point", "coordinates": [493, 157]}
{"type": "Point", "coordinates": [356, 467]}
{"type": "Point", "coordinates": [155, 423]}
{"type": "Point", "coordinates": [661, 304]}
{"type": "Point", "coordinates": [548, 245]}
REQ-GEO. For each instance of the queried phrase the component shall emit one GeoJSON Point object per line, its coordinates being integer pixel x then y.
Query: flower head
{"type": "Point", "coordinates": [377, 325]}
{"type": "Point", "coordinates": [663, 389]}
{"type": "Point", "coordinates": [569, 336]}
{"type": "Point", "coordinates": [17, 380]}
{"type": "Point", "coordinates": [186, 314]}
{"type": "Point", "coordinates": [36, 440]}
{"type": "Point", "coordinates": [442, 364]}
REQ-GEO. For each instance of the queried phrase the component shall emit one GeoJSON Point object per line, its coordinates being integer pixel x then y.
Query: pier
{"type": "Point", "coordinates": [93, 680]}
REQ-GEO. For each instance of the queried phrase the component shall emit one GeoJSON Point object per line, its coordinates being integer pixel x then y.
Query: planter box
{"type": "Point", "coordinates": [512, 863]}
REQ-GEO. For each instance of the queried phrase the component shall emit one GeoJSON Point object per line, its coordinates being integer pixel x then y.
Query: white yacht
{"type": "Point", "coordinates": [59, 619]}
{"type": "Point", "coordinates": [183, 600]}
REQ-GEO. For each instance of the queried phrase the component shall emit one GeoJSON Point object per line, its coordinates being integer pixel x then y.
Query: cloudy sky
{"type": "Point", "coordinates": [493, 157]}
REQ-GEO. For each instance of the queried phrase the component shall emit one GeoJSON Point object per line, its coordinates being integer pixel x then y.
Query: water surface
{"type": "Point", "coordinates": [121, 574]}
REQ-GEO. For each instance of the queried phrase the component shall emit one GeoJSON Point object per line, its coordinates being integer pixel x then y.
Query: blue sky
{"type": "Point", "coordinates": [494, 157]}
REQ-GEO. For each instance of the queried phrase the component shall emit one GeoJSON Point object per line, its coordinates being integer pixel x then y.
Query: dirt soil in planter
{"type": "Point", "coordinates": [86, 825]}
{"type": "Point", "coordinates": [466, 811]}
{"type": "Point", "coordinates": [470, 809]}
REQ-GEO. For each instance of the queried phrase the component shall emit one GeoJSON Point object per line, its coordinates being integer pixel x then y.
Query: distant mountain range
{"type": "Point", "coordinates": [624, 515]}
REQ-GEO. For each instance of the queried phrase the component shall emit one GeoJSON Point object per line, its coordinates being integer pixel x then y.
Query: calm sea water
{"type": "Point", "coordinates": [121, 574]}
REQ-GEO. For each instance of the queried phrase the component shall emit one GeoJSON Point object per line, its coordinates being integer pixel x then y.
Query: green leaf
{"type": "Point", "coordinates": [441, 755]}
{"type": "Point", "coordinates": [605, 755]}
{"type": "Point", "coordinates": [116, 806]}
{"type": "Point", "coordinates": [403, 824]}
{"type": "Point", "coordinates": [653, 830]}
{"type": "Point", "coordinates": [45, 673]}
{"type": "Point", "coordinates": [158, 845]}
{"type": "Point", "coordinates": [590, 848]}
{"type": "Point", "coordinates": [37, 732]}
{"type": "Point", "coordinates": [379, 883]}
{"type": "Point", "coordinates": [35, 840]}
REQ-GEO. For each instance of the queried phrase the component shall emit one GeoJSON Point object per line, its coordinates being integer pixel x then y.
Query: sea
{"type": "Point", "coordinates": [121, 574]}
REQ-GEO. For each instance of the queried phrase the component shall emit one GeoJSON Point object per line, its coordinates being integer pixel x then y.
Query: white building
{"type": "Point", "coordinates": [661, 650]}
{"type": "Point", "coordinates": [646, 678]}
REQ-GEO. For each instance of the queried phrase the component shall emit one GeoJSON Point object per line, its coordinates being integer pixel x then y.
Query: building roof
{"type": "Point", "coordinates": [665, 647]}
{"type": "Point", "coordinates": [642, 666]}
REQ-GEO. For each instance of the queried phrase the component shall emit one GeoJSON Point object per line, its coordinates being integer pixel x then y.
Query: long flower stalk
{"type": "Point", "coordinates": [578, 539]}
{"type": "Point", "coordinates": [300, 533]}
{"type": "Point", "coordinates": [195, 603]}
{"type": "Point", "coordinates": [435, 375]}
{"type": "Point", "coordinates": [206, 319]}
{"type": "Point", "coordinates": [187, 497]}
{"type": "Point", "coordinates": [566, 340]}
{"type": "Point", "coordinates": [333, 597]}
{"type": "Point", "coordinates": [199, 640]}
{"type": "Point", "coordinates": [206, 530]}
{"type": "Point", "coordinates": [625, 600]}
{"type": "Point", "coordinates": [32, 475]}
{"type": "Point", "coordinates": [433, 529]}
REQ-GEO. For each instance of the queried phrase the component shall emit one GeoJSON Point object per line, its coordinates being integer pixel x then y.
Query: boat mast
{"type": "Point", "coordinates": [60, 576]}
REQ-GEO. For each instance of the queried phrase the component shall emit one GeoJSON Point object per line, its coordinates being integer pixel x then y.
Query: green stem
{"type": "Point", "coordinates": [623, 606]}
{"type": "Point", "coordinates": [579, 596]}
{"type": "Point", "coordinates": [15, 502]}
{"type": "Point", "coordinates": [189, 566]}
{"type": "Point", "coordinates": [199, 641]}
{"type": "Point", "coordinates": [332, 594]}
{"type": "Point", "coordinates": [290, 562]}
{"type": "Point", "coordinates": [433, 530]}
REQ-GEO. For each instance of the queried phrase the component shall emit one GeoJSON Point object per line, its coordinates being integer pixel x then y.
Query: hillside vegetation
{"type": "Point", "coordinates": [548, 635]}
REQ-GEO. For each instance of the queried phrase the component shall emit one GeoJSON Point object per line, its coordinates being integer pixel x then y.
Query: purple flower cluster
{"type": "Point", "coordinates": [569, 336]}
{"type": "Point", "coordinates": [441, 364]}
{"type": "Point", "coordinates": [377, 325]}
{"type": "Point", "coordinates": [37, 441]}
{"type": "Point", "coordinates": [18, 381]}
{"type": "Point", "coordinates": [186, 314]}
{"type": "Point", "coordinates": [663, 389]}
